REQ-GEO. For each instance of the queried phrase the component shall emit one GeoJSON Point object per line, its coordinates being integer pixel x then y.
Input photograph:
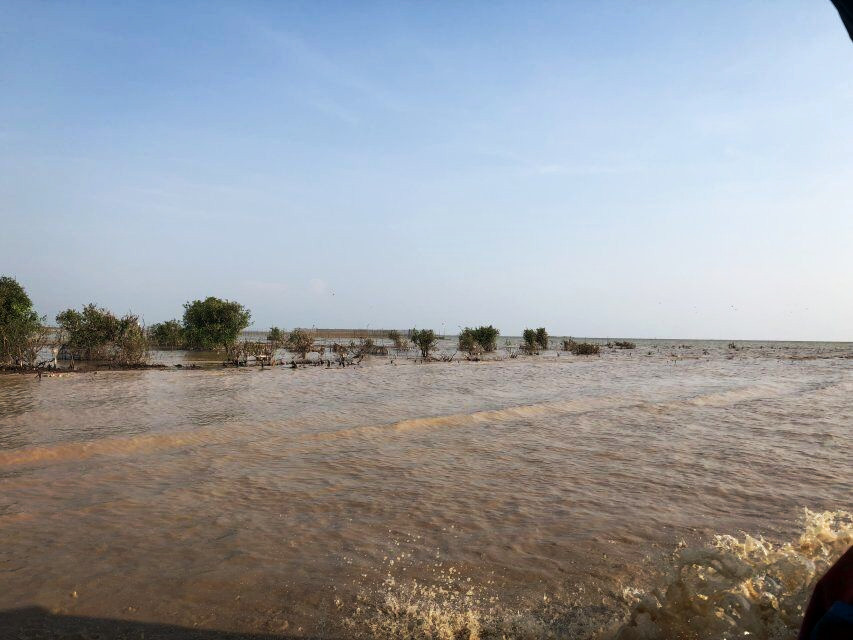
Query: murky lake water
{"type": "Point", "coordinates": [304, 501]}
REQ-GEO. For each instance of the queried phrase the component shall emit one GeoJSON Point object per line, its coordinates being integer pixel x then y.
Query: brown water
{"type": "Point", "coordinates": [342, 502]}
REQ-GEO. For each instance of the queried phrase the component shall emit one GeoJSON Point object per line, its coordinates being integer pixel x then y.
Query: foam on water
{"type": "Point", "coordinates": [732, 588]}
{"type": "Point", "coordinates": [741, 586]}
{"type": "Point", "coordinates": [450, 606]}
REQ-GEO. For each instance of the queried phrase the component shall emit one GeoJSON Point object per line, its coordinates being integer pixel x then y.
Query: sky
{"type": "Point", "coordinates": [663, 169]}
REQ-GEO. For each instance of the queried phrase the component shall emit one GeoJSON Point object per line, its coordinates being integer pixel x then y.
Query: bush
{"type": "Point", "coordinates": [22, 331]}
{"type": "Point", "coordinates": [167, 335]}
{"type": "Point", "coordinates": [530, 345]}
{"type": "Point", "coordinates": [300, 341]}
{"type": "Point", "coordinates": [98, 334]}
{"type": "Point", "coordinates": [535, 340]}
{"type": "Point", "coordinates": [400, 343]}
{"type": "Point", "coordinates": [585, 349]}
{"type": "Point", "coordinates": [214, 324]}
{"type": "Point", "coordinates": [569, 345]}
{"type": "Point", "coordinates": [624, 344]}
{"type": "Point", "coordinates": [425, 340]}
{"type": "Point", "coordinates": [468, 343]}
{"type": "Point", "coordinates": [485, 337]}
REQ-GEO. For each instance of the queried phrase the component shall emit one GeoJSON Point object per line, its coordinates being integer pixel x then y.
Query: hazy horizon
{"type": "Point", "coordinates": [655, 171]}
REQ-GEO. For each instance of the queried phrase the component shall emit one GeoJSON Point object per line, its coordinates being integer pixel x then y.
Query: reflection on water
{"type": "Point", "coordinates": [316, 501]}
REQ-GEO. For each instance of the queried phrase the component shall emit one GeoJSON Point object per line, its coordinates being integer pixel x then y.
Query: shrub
{"type": "Point", "coordinates": [530, 345]}
{"type": "Point", "coordinates": [98, 334]}
{"type": "Point", "coordinates": [485, 337]}
{"type": "Point", "coordinates": [624, 344]}
{"type": "Point", "coordinates": [22, 331]}
{"type": "Point", "coordinates": [131, 343]}
{"type": "Point", "coordinates": [468, 343]}
{"type": "Point", "coordinates": [542, 338]}
{"type": "Point", "coordinates": [167, 335]}
{"type": "Point", "coordinates": [300, 341]}
{"type": "Point", "coordinates": [586, 349]}
{"type": "Point", "coordinates": [261, 350]}
{"type": "Point", "coordinates": [569, 345]}
{"type": "Point", "coordinates": [276, 336]}
{"type": "Point", "coordinates": [400, 343]}
{"type": "Point", "coordinates": [213, 324]}
{"type": "Point", "coordinates": [425, 340]}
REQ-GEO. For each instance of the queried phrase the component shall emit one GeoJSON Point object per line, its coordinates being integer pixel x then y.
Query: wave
{"type": "Point", "coordinates": [73, 451]}
{"type": "Point", "coordinates": [122, 445]}
{"type": "Point", "coordinates": [731, 397]}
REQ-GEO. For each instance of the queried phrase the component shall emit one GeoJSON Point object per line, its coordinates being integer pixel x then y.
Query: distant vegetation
{"type": "Point", "coordinates": [214, 324]}
{"type": "Point", "coordinates": [22, 331]}
{"type": "Point", "coordinates": [400, 343]}
{"type": "Point", "coordinates": [96, 333]}
{"type": "Point", "coordinates": [478, 340]}
{"type": "Point", "coordinates": [534, 340]}
{"type": "Point", "coordinates": [300, 341]}
{"type": "Point", "coordinates": [276, 340]}
{"type": "Point", "coordinates": [467, 343]}
{"type": "Point", "coordinates": [529, 341]}
{"type": "Point", "coordinates": [585, 349]}
{"type": "Point", "coordinates": [425, 340]}
{"type": "Point", "coordinates": [167, 335]}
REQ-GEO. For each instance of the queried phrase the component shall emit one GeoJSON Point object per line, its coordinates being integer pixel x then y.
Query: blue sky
{"type": "Point", "coordinates": [667, 169]}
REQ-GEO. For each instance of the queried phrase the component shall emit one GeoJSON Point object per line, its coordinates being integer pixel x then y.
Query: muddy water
{"type": "Point", "coordinates": [314, 501]}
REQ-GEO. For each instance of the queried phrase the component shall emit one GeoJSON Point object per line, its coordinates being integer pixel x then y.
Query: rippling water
{"type": "Point", "coordinates": [315, 501]}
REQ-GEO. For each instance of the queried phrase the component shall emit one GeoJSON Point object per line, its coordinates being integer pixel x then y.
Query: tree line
{"type": "Point", "coordinates": [212, 324]}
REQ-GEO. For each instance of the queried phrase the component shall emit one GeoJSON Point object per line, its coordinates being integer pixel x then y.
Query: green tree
{"type": "Point", "coordinates": [468, 342]}
{"type": "Point", "coordinates": [425, 340]}
{"type": "Point", "coordinates": [276, 336]}
{"type": "Point", "coordinates": [96, 333]}
{"type": "Point", "coordinates": [530, 344]}
{"type": "Point", "coordinates": [542, 338]}
{"type": "Point", "coordinates": [486, 337]}
{"type": "Point", "coordinates": [167, 335]}
{"type": "Point", "coordinates": [22, 332]}
{"type": "Point", "coordinates": [300, 341]}
{"type": "Point", "coordinates": [214, 324]}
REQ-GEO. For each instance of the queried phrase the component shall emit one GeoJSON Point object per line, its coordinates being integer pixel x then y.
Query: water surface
{"type": "Point", "coordinates": [297, 500]}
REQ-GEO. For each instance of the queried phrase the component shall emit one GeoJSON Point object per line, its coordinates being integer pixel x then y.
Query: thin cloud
{"type": "Point", "coordinates": [294, 48]}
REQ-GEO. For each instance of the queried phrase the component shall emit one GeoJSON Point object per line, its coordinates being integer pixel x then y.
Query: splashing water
{"type": "Point", "coordinates": [734, 588]}
{"type": "Point", "coordinates": [453, 609]}
{"type": "Point", "coordinates": [742, 588]}
{"type": "Point", "coordinates": [447, 605]}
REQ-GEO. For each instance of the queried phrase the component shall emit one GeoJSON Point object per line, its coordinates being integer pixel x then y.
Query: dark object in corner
{"type": "Point", "coordinates": [845, 10]}
{"type": "Point", "coordinates": [828, 616]}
